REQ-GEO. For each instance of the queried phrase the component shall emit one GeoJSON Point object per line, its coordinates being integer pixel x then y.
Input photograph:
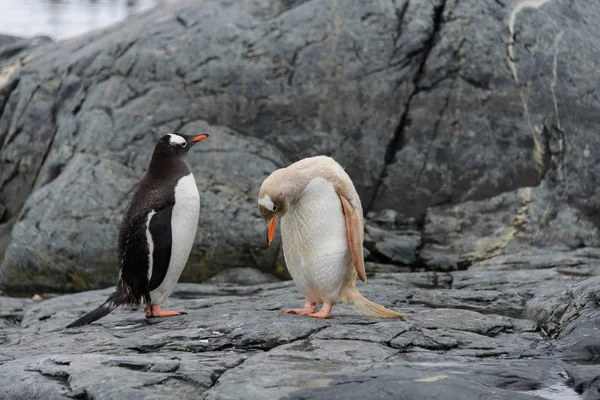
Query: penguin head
{"type": "Point", "coordinates": [273, 199]}
{"type": "Point", "coordinates": [270, 208]}
{"type": "Point", "coordinates": [177, 144]}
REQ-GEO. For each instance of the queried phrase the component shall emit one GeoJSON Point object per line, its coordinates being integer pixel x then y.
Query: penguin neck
{"type": "Point", "coordinates": [163, 165]}
{"type": "Point", "coordinates": [293, 187]}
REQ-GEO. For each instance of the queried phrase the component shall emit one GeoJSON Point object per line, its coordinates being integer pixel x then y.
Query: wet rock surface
{"type": "Point", "coordinates": [465, 337]}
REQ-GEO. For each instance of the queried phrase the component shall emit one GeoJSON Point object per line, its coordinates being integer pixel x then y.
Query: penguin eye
{"type": "Point", "coordinates": [274, 207]}
{"type": "Point", "coordinates": [183, 144]}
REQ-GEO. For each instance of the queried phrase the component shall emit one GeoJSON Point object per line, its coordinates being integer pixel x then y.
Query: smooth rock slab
{"type": "Point", "coordinates": [444, 380]}
{"type": "Point", "coordinates": [106, 377]}
{"type": "Point", "coordinates": [235, 343]}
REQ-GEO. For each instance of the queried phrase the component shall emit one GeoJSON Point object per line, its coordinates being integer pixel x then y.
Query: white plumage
{"type": "Point", "coordinates": [184, 222]}
{"type": "Point", "coordinates": [322, 231]}
{"type": "Point", "coordinates": [266, 202]}
{"type": "Point", "coordinates": [315, 244]}
{"type": "Point", "coordinates": [150, 245]}
{"type": "Point", "coordinates": [176, 139]}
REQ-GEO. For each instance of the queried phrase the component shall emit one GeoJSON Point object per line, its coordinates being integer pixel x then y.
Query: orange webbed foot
{"type": "Point", "coordinates": [324, 313]}
{"type": "Point", "coordinates": [155, 311]}
{"type": "Point", "coordinates": [320, 314]}
{"type": "Point", "coordinates": [309, 308]}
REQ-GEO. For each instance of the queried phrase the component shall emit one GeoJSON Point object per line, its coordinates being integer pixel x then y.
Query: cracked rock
{"type": "Point", "coordinates": [423, 103]}
{"type": "Point", "coordinates": [98, 103]}
{"type": "Point", "coordinates": [234, 342]}
{"type": "Point", "coordinates": [525, 228]}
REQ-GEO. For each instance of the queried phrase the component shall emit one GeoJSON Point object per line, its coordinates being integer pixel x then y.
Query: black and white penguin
{"type": "Point", "coordinates": [157, 233]}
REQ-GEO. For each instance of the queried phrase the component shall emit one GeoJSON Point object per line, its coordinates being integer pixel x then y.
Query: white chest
{"type": "Point", "coordinates": [184, 223]}
{"type": "Point", "coordinates": [315, 241]}
{"type": "Point", "coordinates": [185, 211]}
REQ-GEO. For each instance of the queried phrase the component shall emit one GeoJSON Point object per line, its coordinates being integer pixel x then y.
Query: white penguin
{"type": "Point", "coordinates": [322, 231]}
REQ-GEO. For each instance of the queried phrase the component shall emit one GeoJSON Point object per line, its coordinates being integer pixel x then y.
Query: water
{"type": "Point", "coordinates": [551, 391]}
{"type": "Point", "coordinates": [557, 391]}
{"type": "Point", "coordinates": [63, 19]}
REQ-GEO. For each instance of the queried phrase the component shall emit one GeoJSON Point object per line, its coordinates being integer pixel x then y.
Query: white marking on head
{"type": "Point", "coordinates": [266, 202]}
{"type": "Point", "coordinates": [176, 139]}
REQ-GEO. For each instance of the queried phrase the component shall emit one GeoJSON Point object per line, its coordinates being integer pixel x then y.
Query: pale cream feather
{"type": "Point", "coordinates": [314, 231]}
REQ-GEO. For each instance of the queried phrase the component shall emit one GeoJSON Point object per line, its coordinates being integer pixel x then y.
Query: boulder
{"type": "Point", "coordinates": [440, 111]}
{"type": "Point", "coordinates": [263, 79]}
{"type": "Point", "coordinates": [570, 317]}
{"type": "Point", "coordinates": [527, 224]}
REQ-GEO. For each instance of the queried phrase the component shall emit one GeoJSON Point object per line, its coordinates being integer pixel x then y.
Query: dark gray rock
{"type": "Point", "coordinates": [101, 376]}
{"type": "Point", "coordinates": [11, 47]}
{"type": "Point", "coordinates": [488, 106]}
{"type": "Point", "coordinates": [586, 380]}
{"type": "Point", "coordinates": [378, 268]}
{"type": "Point", "coordinates": [556, 310]}
{"type": "Point", "coordinates": [519, 229]}
{"type": "Point", "coordinates": [243, 276]}
{"type": "Point", "coordinates": [450, 380]}
{"type": "Point", "coordinates": [390, 220]}
{"type": "Point", "coordinates": [455, 343]}
{"type": "Point", "coordinates": [257, 76]}
{"type": "Point", "coordinates": [494, 105]}
{"type": "Point", "coordinates": [11, 311]}
{"type": "Point", "coordinates": [399, 247]}
{"type": "Point", "coordinates": [14, 54]}
{"type": "Point", "coordinates": [571, 317]}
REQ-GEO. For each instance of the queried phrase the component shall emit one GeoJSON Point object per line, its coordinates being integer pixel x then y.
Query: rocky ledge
{"type": "Point", "coordinates": [468, 334]}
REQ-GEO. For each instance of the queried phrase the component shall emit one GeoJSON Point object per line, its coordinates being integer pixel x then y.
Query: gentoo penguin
{"type": "Point", "coordinates": [157, 232]}
{"type": "Point", "coordinates": [322, 232]}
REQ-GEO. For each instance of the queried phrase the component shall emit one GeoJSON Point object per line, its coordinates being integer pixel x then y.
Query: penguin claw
{"type": "Point", "coordinates": [324, 313]}
{"type": "Point", "coordinates": [298, 311]}
{"type": "Point", "coordinates": [309, 308]}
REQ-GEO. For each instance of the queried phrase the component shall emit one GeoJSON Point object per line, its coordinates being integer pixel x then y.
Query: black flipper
{"type": "Point", "coordinates": [160, 229]}
{"type": "Point", "coordinates": [106, 308]}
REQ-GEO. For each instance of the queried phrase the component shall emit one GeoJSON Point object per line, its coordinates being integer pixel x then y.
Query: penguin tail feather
{"type": "Point", "coordinates": [369, 309]}
{"type": "Point", "coordinates": [106, 308]}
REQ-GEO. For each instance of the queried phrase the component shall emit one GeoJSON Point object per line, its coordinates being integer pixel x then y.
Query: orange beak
{"type": "Point", "coordinates": [199, 138]}
{"type": "Point", "coordinates": [271, 231]}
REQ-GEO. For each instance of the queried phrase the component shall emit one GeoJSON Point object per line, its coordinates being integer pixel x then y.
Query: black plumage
{"type": "Point", "coordinates": [160, 228]}
{"type": "Point", "coordinates": [106, 308]}
{"type": "Point", "coordinates": [155, 192]}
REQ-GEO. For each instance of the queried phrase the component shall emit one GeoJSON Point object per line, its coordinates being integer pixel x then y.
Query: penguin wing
{"type": "Point", "coordinates": [160, 231]}
{"type": "Point", "coordinates": [353, 229]}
